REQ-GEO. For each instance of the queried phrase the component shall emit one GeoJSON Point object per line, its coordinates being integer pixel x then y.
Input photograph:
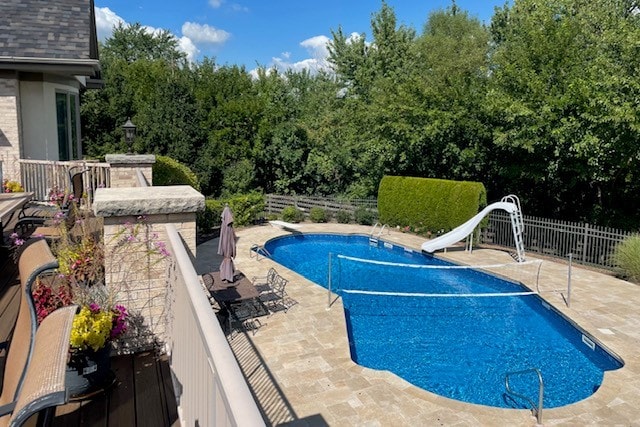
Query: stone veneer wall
{"type": "Point", "coordinates": [9, 126]}
{"type": "Point", "coordinates": [124, 169]}
{"type": "Point", "coordinates": [135, 269]}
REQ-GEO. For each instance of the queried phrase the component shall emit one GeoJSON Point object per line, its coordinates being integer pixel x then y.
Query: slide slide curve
{"type": "Point", "coordinates": [462, 231]}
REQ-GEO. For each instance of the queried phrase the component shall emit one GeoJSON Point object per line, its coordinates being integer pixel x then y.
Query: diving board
{"type": "Point", "coordinates": [284, 225]}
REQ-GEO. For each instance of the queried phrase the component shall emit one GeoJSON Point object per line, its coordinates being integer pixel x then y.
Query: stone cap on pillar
{"type": "Point", "coordinates": [130, 159]}
{"type": "Point", "coordinates": [135, 201]}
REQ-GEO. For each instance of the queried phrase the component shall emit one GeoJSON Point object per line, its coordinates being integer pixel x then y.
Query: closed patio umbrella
{"type": "Point", "coordinates": [227, 245]}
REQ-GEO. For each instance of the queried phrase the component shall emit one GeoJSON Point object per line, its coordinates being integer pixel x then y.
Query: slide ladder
{"type": "Point", "coordinates": [517, 225]}
{"type": "Point", "coordinates": [510, 204]}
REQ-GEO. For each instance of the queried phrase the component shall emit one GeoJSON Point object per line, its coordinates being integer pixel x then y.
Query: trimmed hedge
{"type": "Point", "coordinates": [428, 204]}
{"type": "Point", "coordinates": [167, 171]}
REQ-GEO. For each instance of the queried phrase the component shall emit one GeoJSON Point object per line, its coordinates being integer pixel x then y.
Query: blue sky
{"type": "Point", "coordinates": [277, 33]}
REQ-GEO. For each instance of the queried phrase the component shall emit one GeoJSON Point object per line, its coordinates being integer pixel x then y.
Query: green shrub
{"type": "Point", "coordinates": [247, 208]}
{"type": "Point", "coordinates": [627, 257]}
{"type": "Point", "coordinates": [318, 215]}
{"type": "Point", "coordinates": [343, 217]}
{"type": "Point", "coordinates": [292, 214]}
{"type": "Point", "coordinates": [428, 204]}
{"type": "Point", "coordinates": [167, 171]}
{"type": "Point", "coordinates": [210, 217]}
{"type": "Point", "coordinates": [364, 216]}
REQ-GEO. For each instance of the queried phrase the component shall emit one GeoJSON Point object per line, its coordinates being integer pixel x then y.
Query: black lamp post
{"type": "Point", "coordinates": [129, 133]}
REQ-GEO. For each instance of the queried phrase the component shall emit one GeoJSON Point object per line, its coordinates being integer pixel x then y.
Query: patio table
{"type": "Point", "coordinates": [228, 293]}
{"type": "Point", "coordinates": [9, 204]}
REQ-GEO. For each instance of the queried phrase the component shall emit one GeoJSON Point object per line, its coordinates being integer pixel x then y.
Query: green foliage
{"type": "Point", "coordinates": [247, 208]}
{"type": "Point", "coordinates": [238, 178]}
{"type": "Point", "coordinates": [292, 214]}
{"type": "Point", "coordinates": [343, 217]}
{"type": "Point", "coordinates": [627, 257]}
{"type": "Point", "coordinates": [317, 214]}
{"type": "Point", "coordinates": [210, 217]}
{"type": "Point", "coordinates": [167, 171]}
{"type": "Point", "coordinates": [364, 216]}
{"type": "Point", "coordinates": [542, 103]}
{"type": "Point", "coordinates": [432, 204]}
{"type": "Point", "coordinates": [134, 42]}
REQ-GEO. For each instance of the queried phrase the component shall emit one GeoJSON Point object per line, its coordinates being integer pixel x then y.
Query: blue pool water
{"type": "Point", "coordinates": [458, 347]}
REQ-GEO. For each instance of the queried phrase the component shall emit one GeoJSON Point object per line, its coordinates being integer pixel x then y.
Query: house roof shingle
{"type": "Point", "coordinates": [47, 30]}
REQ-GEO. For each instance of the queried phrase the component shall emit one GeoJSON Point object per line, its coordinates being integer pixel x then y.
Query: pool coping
{"type": "Point", "coordinates": [307, 356]}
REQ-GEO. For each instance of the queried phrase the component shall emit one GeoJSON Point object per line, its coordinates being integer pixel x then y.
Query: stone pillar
{"type": "Point", "coordinates": [136, 261]}
{"type": "Point", "coordinates": [124, 169]}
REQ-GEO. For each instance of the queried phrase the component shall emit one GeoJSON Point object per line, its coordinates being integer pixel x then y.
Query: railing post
{"type": "Point", "coordinates": [569, 280]}
{"type": "Point", "coordinates": [584, 243]}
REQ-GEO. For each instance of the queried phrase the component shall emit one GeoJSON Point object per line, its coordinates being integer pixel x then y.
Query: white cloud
{"type": "Point", "coordinates": [186, 45]}
{"type": "Point", "coordinates": [215, 3]}
{"type": "Point", "coordinates": [317, 47]}
{"type": "Point", "coordinates": [203, 33]}
{"type": "Point", "coordinates": [106, 19]}
{"type": "Point", "coordinates": [239, 8]}
{"type": "Point", "coordinates": [317, 50]}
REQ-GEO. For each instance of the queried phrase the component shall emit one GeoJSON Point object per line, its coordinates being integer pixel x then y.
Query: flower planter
{"type": "Point", "coordinates": [88, 371]}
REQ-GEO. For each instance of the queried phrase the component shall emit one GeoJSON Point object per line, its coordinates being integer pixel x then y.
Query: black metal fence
{"type": "Point", "coordinates": [590, 244]}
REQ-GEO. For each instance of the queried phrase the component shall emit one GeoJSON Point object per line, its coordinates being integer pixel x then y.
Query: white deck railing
{"type": "Point", "coordinates": [40, 176]}
{"type": "Point", "coordinates": [210, 387]}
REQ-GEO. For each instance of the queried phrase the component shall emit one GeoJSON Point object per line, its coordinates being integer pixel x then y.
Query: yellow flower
{"type": "Point", "coordinates": [91, 329]}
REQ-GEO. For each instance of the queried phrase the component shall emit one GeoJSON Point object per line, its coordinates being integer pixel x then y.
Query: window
{"type": "Point", "coordinates": [68, 120]}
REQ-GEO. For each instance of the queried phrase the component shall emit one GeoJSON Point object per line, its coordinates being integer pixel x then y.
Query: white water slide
{"type": "Point", "coordinates": [510, 203]}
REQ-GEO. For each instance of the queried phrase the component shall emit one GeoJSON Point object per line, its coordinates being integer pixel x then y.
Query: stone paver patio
{"type": "Point", "coordinates": [298, 363]}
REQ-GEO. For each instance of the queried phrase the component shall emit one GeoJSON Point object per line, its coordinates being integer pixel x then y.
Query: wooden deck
{"type": "Point", "coordinates": [142, 394]}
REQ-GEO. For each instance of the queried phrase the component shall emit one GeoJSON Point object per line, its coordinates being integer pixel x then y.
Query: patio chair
{"type": "Point", "coordinates": [245, 314]}
{"type": "Point", "coordinates": [274, 296]}
{"type": "Point", "coordinates": [44, 385]}
{"type": "Point", "coordinates": [38, 213]}
{"type": "Point", "coordinates": [35, 258]}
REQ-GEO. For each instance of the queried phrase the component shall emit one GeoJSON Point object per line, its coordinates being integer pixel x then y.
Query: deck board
{"type": "Point", "coordinates": [123, 408]}
{"type": "Point", "coordinates": [150, 409]}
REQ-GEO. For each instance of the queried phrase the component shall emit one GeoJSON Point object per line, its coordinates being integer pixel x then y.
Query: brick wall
{"type": "Point", "coordinates": [9, 127]}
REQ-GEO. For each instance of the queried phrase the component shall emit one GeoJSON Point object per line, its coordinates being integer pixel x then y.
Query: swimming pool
{"type": "Point", "coordinates": [458, 347]}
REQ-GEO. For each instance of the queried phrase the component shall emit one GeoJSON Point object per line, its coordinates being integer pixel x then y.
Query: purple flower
{"type": "Point", "coordinates": [94, 307]}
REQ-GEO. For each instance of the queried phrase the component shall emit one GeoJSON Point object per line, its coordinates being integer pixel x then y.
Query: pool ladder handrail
{"type": "Point", "coordinates": [382, 227]}
{"type": "Point", "coordinates": [257, 249]}
{"type": "Point", "coordinates": [535, 408]}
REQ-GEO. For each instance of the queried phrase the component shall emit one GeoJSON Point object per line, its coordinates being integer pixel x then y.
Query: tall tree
{"type": "Point", "coordinates": [565, 75]}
